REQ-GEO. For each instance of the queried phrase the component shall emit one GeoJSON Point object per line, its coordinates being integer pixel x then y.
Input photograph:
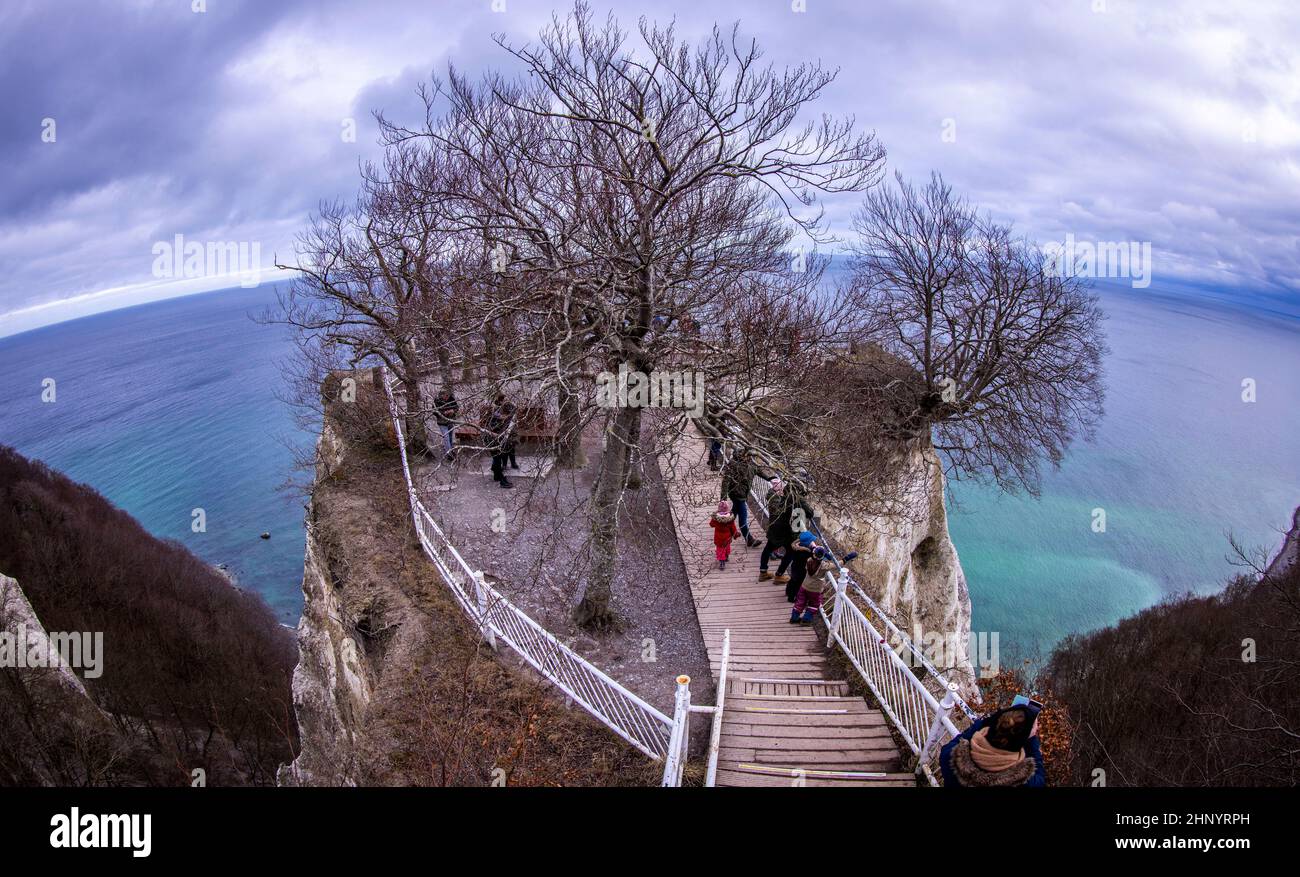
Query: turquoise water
{"type": "Point", "coordinates": [1178, 461]}
{"type": "Point", "coordinates": [165, 408]}
{"type": "Point", "coordinates": [171, 406]}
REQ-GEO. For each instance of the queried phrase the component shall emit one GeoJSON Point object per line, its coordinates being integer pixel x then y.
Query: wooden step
{"type": "Point", "coordinates": [730, 775]}
{"type": "Point", "coordinates": [784, 722]}
{"type": "Point", "coordinates": [792, 687]}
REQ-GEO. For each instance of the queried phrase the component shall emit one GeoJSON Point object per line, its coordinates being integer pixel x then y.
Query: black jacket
{"type": "Point", "coordinates": [445, 409]}
{"type": "Point", "coordinates": [780, 509]}
{"type": "Point", "coordinates": [497, 429]}
{"type": "Point", "coordinates": [737, 476]}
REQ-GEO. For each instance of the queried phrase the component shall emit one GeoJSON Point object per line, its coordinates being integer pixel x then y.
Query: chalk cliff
{"type": "Point", "coordinates": [908, 564]}
{"type": "Point", "coordinates": [333, 683]}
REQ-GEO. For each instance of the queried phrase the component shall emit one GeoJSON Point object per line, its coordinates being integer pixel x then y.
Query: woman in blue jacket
{"type": "Point", "coordinates": [1001, 749]}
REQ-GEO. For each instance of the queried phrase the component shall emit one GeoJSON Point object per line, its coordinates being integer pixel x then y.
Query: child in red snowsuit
{"type": "Point", "coordinates": [725, 529]}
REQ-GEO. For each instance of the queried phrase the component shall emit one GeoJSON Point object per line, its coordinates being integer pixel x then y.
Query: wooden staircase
{"type": "Point", "coordinates": [785, 721]}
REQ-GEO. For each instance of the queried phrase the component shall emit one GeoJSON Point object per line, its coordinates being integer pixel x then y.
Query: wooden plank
{"type": "Point", "coordinates": [881, 758]}
{"type": "Point", "coordinates": [733, 777]}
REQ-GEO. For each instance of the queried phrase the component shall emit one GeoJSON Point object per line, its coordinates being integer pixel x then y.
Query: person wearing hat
{"type": "Point", "coordinates": [1001, 749]}
{"type": "Point", "coordinates": [798, 556]}
{"type": "Point", "coordinates": [724, 527]}
{"type": "Point", "coordinates": [808, 594]}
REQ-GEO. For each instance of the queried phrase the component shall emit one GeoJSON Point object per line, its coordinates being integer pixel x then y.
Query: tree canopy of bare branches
{"type": "Point", "coordinates": [638, 202]}
{"type": "Point", "coordinates": [1008, 351]}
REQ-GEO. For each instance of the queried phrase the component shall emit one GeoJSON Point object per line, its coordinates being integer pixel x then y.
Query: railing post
{"type": "Point", "coordinates": [680, 737]}
{"type": "Point", "coordinates": [841, 583]}
{"type": "Point", "coordinates": [936, 727]}
{"type": "Point", "coordinates": [480, 597]}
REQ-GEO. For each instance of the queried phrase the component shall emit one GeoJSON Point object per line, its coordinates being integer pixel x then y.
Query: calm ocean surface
{"type": "Point", "coordinates": [173, 406]}
{"type": "Point", "coordinates": [165, 408]}
{"type": "Point", "coordinates": [1179, 460]}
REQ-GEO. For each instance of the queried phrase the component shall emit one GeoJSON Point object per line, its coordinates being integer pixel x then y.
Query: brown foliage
{"type": "Point", "coordinates": [196, 672]}
{"type": "Point", "coordinates": [1055, 729]}
{"type": "Point", "coordinates": [1170, 697]}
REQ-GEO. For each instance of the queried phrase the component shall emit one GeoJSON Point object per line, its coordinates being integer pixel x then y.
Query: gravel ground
{"type": "Point", "coordinates": [531, 544]}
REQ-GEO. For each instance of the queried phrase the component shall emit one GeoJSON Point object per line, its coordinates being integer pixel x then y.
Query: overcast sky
{"type": "Point", "coordinates": [1176, 123]}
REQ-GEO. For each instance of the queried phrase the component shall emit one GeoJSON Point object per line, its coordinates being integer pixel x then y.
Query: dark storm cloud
{"type": "Point", "coordinates": [1173, 123]}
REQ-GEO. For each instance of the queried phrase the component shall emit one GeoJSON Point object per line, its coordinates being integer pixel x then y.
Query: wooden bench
{"type": "Point", "coordinates": [531, 425]}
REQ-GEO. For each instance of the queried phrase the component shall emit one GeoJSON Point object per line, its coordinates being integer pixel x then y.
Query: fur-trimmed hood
{"type": "Point", "coordinates": [971, 775]}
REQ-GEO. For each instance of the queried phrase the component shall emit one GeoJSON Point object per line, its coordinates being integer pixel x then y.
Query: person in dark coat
{"type": "Point", "coordinates": [512, 433]}
{"type": "Point", "coordinates": [737, 476]}
{"type": "Point", "coordinates": [496, 434]}
{"type": "Point", "coordinates": [1000, 749]}
{"type": "Point", "coordinates": [782, 500]}
{"type": "Point", "coordinates": [808, 589]}
{"type": "Point", "coordinates": [715, 454]}
{"type": "Point", "coordinates": [800, 557]}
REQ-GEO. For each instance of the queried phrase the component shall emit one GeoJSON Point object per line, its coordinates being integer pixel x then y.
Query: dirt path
{"type": "Point", "coordinates": [529, 543]}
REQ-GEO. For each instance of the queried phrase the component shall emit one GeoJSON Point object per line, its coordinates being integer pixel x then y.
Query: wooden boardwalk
{"type": "Point", "coordinates": [785, 721]}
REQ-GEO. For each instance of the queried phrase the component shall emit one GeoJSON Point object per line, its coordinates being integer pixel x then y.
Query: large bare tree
{"type": "Point", "coordinates": [1003, 352]}
{"type": "Point", "coordinates": [637, 199]}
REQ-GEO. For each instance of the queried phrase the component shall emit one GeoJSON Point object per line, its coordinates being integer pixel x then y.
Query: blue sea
{"type": "Point", "coordinates": [169, 407]}
{"type": "Point", "coordinates": [1179, 461]}
{"type": "Point", "coordinates": [173, 406]}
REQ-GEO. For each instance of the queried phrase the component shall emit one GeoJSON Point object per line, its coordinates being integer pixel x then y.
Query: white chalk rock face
{"type": "Point", "coordinates": [331, 686]}
{"type": "Point", "coordinates": [908, 564]}
{"type": "Point", "coordinates": [18, 620]}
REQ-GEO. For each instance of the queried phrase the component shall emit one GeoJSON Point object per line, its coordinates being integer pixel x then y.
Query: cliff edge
{"type": "Point", "coordinates": [394, 686]}
{"type": "Point", "coordinates": [908, 564]}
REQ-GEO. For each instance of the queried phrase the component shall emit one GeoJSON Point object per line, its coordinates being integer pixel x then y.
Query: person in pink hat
{"type": "Point", "coordinates": [724, 527]}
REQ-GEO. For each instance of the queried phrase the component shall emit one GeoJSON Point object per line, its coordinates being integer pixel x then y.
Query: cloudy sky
{"type": "Point", "coordinates": [126, 123]}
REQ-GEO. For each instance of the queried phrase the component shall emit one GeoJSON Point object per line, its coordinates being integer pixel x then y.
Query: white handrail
{"type": "Point", "coordinates": [679, 740]}
{"type": "Point", "coordinates": [901, 638]}
{"type": "Point", "coordinates": [919, 718]}
{"type": "Point", "coordinates": [715, 734]}
{"type": "Point", "coordinates": [627, 715]}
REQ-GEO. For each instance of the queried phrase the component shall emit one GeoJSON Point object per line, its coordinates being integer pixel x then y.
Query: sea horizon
{"type": "Point", "coordinates": [155, 442]}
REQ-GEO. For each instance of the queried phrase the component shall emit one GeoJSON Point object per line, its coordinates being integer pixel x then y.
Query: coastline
{"type": "Point", "coordinates": [1289, 554]}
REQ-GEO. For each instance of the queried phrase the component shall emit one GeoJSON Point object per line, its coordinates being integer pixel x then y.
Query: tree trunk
{"type": "Point", "coordinates": [491, 353]}
{"type": "Point", "coordinates": [568, 438]}
{"type": "Point", "coordinates": [593, 610]}
{"type": "Point", "coordinates": [417, 433]}
{"type": "Point", "coordinates": [468, 371]}
{"type": "Point", "coordinates": [632, 463]}
{"type": "Point", "coordinates": [444, 366]}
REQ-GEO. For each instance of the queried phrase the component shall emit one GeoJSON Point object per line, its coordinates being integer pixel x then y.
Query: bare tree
{"type": "Point", "coordinates": [1006, 351]}
{"type": "Point", "coordinates": [640, 190]}
{"type": "Point", "coordinates": [374, 283]}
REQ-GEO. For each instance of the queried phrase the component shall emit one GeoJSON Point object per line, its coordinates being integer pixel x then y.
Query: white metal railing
{"type": "Point", "coordinates": [919, 706]}
{"type": "Point", "coordinates": [715, 735]}
{"type": "Point", "coordinates": [921, 719]}
{"type": "Point", "coordinates": [680, 740]}
{"type": "Point", "coordinates": [627, 715]}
